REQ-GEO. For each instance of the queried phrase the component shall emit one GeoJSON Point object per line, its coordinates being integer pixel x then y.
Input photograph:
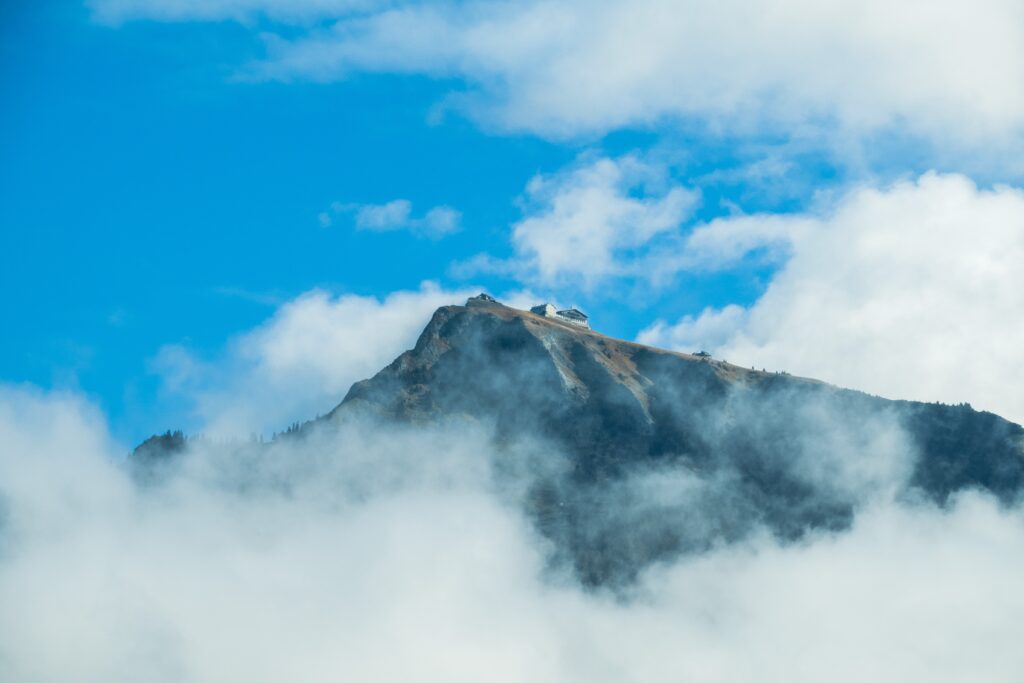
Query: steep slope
{"type": "Point", "coordinates": [702, 451]}
{"type": "Point", "coordinates": [612, 403]}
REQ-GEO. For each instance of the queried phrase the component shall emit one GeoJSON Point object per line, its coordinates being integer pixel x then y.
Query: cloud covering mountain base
{"type": "Point", "coordinates": [405, 555]}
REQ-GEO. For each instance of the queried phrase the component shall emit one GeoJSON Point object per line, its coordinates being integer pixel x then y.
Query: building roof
{"type": "Point", "coordinates": [573, 313]}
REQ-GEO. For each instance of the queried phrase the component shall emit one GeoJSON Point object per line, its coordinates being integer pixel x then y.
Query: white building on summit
{"type": "Point", "coordinates": [573, 316]}
{"type": "Point", "coordinates": [545, 310]}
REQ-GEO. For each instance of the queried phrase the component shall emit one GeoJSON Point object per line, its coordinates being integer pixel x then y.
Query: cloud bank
{"type": "Point", "coordinates": [382, 557]}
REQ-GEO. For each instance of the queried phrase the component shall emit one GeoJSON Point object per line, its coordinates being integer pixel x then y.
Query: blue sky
{"type": "Point", "coordinates": [144, 195]}
{"type": "Point", "coordinates": [165, 171]}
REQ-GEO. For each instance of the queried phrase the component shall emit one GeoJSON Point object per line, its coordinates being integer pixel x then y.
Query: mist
{"type": "Point", "coordinates": [361, 554]}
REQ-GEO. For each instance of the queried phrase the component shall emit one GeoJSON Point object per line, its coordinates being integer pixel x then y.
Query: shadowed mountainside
{"type": "Point", "coordinates": [746, 448]}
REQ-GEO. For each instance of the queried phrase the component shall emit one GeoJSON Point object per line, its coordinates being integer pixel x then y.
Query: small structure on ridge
{"type": "Point", "coordinates": [573, 316]}
{"type": "Point", "coordinates": [481, 298]}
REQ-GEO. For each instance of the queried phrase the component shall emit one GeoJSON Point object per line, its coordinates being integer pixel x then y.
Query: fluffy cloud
{"type": "Point", "coordinates": [913, 291]}
{"type": "Point", "coordinates": [397, 215]}
{"type": "Point", "coordinates": [596, 220]}
{"type": "Point", "coordinates": [301, 361]}
{"type": "Point", "coordinates": [945, 71]}
{"type": "Point", "coordinates": [396, 556]}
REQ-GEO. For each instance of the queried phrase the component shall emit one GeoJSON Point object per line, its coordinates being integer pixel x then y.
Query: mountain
{"type": "Point", "coordinates": [748, 448]}
{"type": "Point", "coordinates": [615, 404]}
{"type": "Point", "coordinates": [642, 454]}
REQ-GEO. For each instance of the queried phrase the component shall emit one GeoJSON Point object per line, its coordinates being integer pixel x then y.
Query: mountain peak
{"type": "Point", "coordinates": [533, 352]}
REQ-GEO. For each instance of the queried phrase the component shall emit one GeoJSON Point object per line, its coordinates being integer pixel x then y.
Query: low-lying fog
{"type": "Point", "coordinates": [406, 555]}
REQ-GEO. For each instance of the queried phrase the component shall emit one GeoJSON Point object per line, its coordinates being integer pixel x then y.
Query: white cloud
{"type": "Point", "coordinates": [712, 329]}
{"type": "Point", "coordinates": [441, 220]}
{"type": "Point", "coordinates": [397, 215]}
{"type": "Point", "coordinates": [593, 221]}
{"type": "Point", "coordinates": [395, 558]}
{"type": "Point", "coordinates": [302, 360]}
{"type": "Point", "coordinates": [391, 216]}
{"type": "Point", "coordinates": [946, 71]}
{"type": "Point", "coordinates": [726, 241]}
{"type": "Point", "coordinates": [913, 291]}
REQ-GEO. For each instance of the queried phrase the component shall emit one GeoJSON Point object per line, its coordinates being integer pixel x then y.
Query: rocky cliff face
{"type": "Point", "coordinates": [666, 452]}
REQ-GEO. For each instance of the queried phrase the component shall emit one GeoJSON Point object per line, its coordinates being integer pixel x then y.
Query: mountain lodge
{"type": "Point", "coordinates": [573, 316]}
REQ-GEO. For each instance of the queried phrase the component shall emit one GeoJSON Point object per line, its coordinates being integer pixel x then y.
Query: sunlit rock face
{"type": "Point", "coordinates": [651, 453]}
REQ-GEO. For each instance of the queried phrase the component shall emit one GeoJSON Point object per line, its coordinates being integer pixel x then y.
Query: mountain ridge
{"type": "Point", "coordinates": [586, 365]}
{"type": "Point", "coordinates": [689, 451]}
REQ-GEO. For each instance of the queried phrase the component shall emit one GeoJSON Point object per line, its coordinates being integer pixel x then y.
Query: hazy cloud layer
{"type": "Point", "coordinates": [912, 291]}
{"type": "Point", "coordinates": [383, 557]}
